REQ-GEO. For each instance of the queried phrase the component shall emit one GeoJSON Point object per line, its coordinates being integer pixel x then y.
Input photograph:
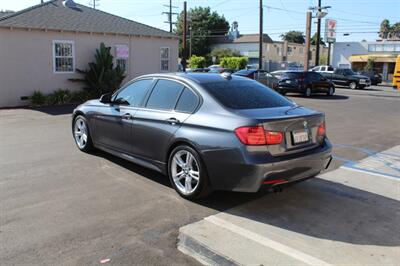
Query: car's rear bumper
{"type": "Point", "coordinates": [250, 176]}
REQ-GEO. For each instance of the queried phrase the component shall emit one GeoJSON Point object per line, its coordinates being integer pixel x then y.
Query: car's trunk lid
{"type": "Point", "coordinates": [299, 126]}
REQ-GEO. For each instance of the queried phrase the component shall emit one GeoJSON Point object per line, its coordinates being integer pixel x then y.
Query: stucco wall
{"type": "Point", "coordinates": [26, 60]}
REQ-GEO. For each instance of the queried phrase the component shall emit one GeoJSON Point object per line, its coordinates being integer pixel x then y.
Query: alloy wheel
{"type": "Point", "coordinates": [308, 92]}
{"type": "Point", "coordinates": [185, 172]}
{"type": "Point", "coordinates": [353, 85]}
{"type": "Point", "coordinates": [80, 133]}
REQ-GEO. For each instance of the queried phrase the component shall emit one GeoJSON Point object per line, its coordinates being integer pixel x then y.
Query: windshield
{"type": "Point", "coordinates": [348, 72]}
{"type": "Point", "coordinates": [245, 94]}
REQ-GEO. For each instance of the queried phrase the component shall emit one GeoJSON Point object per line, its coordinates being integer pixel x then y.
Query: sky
{"type": "Point", "coordinates": [358, 18]}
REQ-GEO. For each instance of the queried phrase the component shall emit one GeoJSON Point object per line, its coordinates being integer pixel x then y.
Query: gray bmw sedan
{"type": "Point", "coordinates": [206, 132]}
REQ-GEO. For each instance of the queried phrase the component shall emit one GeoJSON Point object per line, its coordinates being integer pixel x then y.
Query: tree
{"type": "Point", "coordinates": [384, 29]}
{"type": "Point", "coordinates": [370, 65]}
{"type": "Point", "coordinates": [293, 36]}
{"type": "Point", "coordinates": [220, 53]}
{"type": "Point", "coordinates": [389, 32]}
{"type": "Point", "coordinates": [204, 25]}
{"type": "Point", "coordinates": [101, 77]}
{"type": "Point", "coordinates": [314, 40]}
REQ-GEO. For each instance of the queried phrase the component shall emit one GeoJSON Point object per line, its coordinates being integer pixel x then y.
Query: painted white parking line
{"type": "Point", "coordinates": [291, 252]}
{"type": "Point", "coordinates": [370, 173]}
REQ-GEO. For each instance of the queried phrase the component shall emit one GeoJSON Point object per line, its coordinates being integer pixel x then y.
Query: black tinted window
{"type": "Point", "coordinates": [187, 102]}
{"type": "Point", "coordinates": [313, 76]}
{"type": "Point", "coordinates": [164, 95]}
{"type": "Point", "coordinates": [245, 94]}
{"type": "Point", "coordinates": [134, 93]}
{"type": "Point", "coordinates": [293, 75]}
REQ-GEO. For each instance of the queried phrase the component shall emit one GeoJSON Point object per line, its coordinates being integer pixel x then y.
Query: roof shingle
{"type": "Point", "coordinates": [53, 15]}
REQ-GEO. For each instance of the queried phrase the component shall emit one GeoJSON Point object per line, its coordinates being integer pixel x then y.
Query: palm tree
{"type": "Point", "coordinates": [384, 29]}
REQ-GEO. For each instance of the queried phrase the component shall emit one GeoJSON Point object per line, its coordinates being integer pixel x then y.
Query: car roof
{"type": "Point", "coordinates": [198, 77]}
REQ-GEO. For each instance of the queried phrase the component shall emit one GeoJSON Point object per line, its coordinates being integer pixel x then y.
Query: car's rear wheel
{"type": "Point", "coordinates": [307, 92]}
{"type": "Point", "coordinates": [353, 85]}
{"type": "Point", "coordinates": [81, 134]}
{"type": "Point", "coordinates": [187, 173]}
{"type": "Point", "coordinates": [331, 91]}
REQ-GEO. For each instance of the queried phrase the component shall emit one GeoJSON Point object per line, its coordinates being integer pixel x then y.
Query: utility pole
{"type": "Point", "coordinates": [183, 61]}
{"type": "Point", "coordinates": [191, 40]}
{"type": "Point", "coordinates": [318, 35]}
{"type": "Point", "coordinates": [260, 48]}
{"type": "Point", "coordinates": [169, 15]}
{"type": "Point", "coordinates": [94, 3]}
{"type": "Point", "coordinates": [329, 54]}
{"type": "Point", "coordinates": [307, 48]}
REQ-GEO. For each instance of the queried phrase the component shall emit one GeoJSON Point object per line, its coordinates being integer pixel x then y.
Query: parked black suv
{"type": "Point", "coordinates": [373, 76]}
{"type": "Point", "coordinates": [305, 82]}
{"type": "Point", "coordinates": [346, 77]}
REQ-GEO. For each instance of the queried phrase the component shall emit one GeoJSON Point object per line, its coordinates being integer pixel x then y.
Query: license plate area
{"type": "Point", "coordinates": [300, 136]}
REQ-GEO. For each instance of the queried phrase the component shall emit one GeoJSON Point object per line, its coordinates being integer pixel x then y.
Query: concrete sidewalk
{"type": "Point", "coordinates": [347, 216]}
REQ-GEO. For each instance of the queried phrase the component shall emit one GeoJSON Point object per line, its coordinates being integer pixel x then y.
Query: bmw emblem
{"type": "Point", "coordinates": [305, 124]}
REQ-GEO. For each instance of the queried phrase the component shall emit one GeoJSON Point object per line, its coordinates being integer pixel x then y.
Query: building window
{"type": "Point", "coordinates": [289, 50]}
{"type": "Point", "coordinates": [371, 48]}
{"type": "Point", "coordinates": [301, 50]}
{"type": "Point", "coordinates": [164, 56]}
{"type": "Point", "coordinates": [63, 56]}
{"type": "Point", "coordinates": [122, 56]}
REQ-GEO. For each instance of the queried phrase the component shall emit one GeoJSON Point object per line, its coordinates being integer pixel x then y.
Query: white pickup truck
{"type": "Point", "coordinates": [323, 69]}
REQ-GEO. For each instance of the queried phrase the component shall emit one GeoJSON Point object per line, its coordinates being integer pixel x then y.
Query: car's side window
{"type": "Point", "coordinates": [164, 95]}
{"type": "Point", "coordinates": [134, 93]}
{"type": "Point", "coordinates": [187, 102]}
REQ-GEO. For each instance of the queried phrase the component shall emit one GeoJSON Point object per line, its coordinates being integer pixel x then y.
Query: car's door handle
{"type": "Point", "coordinates": [127, 116]}
{"type": "Point", "coordinates": [172, 121]}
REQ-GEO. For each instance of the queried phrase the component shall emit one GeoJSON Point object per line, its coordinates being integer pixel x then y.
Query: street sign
{"type": "Point", "coordinates": [330, 30]}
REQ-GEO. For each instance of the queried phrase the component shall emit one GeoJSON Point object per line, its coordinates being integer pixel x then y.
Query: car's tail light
{"type": "Point", "coordinates": [301, 79]}
{"type": "Point", "coordinates": [256, 135]}
{"type": "Point", "coordinates": [273, 137]}
{"type": "Point", "coordinates": [322, 130]}
{"type": "Point", "coordinates": [251, 135]}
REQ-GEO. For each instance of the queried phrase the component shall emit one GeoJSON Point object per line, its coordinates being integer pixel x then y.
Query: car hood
{"type": "Point", "coordinates": [360, 76]}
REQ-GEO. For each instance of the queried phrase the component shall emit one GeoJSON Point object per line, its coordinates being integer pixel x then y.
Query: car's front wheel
{"type": "Point", "coordinates": [187, 173]}
{"type": "Point", "coordinates": [81, 134]}
{"type": "Point", "coordinates": [353, 85]}
{"type": "Point", "coordinates": [307, 92]}
{"type": "Point", "coordinates": [331, 91]}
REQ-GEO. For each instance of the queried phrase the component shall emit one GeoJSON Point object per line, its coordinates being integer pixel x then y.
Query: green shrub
{"type": "Point", "coordinates": [220, 53]}
{"type": "Point", "coordinates": [38, 98]}
{"type": "Point", "coordinates": [235, 63]}
{"type": "Point", "coordinates": [197, 62]}
{"type": "Point", "coordinates": [59, 97]}
{"type": "Point", "coordinates": [79, 96]}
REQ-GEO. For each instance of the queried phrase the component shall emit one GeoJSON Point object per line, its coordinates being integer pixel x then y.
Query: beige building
{"type": "Point", "coordinates": [286, 53]}
{"type": "Point", "coordinates": [41, 47]}
{"type": "Point", "coordinates": [276, 54]}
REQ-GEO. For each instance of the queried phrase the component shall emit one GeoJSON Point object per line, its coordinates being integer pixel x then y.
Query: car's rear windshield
{"type": "Point", "coordinates": [245, 94]}
{"type": "Point", "coordinates": [293, 75]}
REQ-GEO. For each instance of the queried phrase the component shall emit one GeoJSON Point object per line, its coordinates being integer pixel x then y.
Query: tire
{"type": "Point", "coordinates": [80, 131]}
{"type": "Point", "coordinates": [307, 93]}
{"type": "Point", "coordinates": [353, 85]}
{"type": "Point", "coordinates": [185, 160]}
{"type": "Point", "coordinates": [331, 91]}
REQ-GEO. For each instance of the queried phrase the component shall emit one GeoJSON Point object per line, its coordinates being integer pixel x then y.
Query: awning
{"type": "Point", "coordinates": [378, 58]}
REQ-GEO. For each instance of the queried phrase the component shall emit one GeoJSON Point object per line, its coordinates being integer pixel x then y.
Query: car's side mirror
{"type": "Point", "coordinates": [106, 98]}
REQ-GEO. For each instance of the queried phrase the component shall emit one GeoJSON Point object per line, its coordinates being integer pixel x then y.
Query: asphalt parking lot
{"type": "Point", "coordinates": [59, 206]}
